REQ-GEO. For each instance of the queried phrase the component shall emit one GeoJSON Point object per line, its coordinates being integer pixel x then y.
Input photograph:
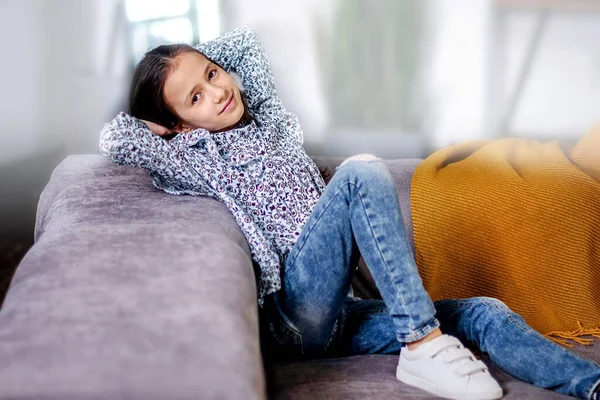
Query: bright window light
{"type": "Point", "coordinates": [147, 36]}
{"type": "Point", "coordinates": [156, 22]}
{"type": "Point", "coordinates": [141, 10]}
{"type": "Point", "coordinates": [177, 30]}
{"type": "Point", "coordinates": [208, 19]}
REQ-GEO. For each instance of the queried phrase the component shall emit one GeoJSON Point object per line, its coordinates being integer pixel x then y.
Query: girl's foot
{"type": "Point", "coordinates": [443, 366]}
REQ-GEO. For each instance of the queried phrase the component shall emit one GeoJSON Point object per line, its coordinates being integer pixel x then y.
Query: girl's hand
{"type": "Point", "coordinates": [157, 129]}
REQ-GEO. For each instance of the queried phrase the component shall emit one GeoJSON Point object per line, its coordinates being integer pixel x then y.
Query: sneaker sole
{"type": "Point", "coordinates": [422, 384]}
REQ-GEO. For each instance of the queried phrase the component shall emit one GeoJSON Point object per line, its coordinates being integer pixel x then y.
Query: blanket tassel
{"type": "Point", "coordinates": [562, 337]}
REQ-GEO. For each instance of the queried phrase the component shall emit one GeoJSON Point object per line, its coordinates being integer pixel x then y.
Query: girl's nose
{"type": "Point", "coordinates": [219, 94]}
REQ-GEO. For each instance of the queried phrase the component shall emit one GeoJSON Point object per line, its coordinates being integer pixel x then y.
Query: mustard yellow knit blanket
{"type": "Point", "coordinates": [518, 220]}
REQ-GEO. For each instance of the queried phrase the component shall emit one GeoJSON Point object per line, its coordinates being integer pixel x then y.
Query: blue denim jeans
{"type": "Point", "coordinates": [313, 316]}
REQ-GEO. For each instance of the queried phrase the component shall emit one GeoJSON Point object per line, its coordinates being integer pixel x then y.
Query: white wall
{"type": "Point", "coordinates": [455, 77]}
{"type": "Point", "coordinates": [55, 92]}
{"type": "Point", "coordinates": [81, 95]}
{"type": "Point", "coordinates": [287, 33]}
{"type": "Point", "coordinates": [561, 97]}
{"type": "Point", "coordinates": [466, 59]}
{"type": "Point", "coordinates": [21, 78]}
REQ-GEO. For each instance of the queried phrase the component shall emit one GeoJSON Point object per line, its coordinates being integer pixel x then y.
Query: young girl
{"type": "Point", "coordinates": [198, 134]}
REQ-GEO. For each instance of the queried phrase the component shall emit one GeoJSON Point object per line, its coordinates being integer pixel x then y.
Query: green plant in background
{"type": "Point", "coordinates": [373, 64]}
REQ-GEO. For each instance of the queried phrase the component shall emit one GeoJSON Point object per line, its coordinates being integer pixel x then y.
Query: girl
{"type": "Point", "coordinates": [197, 133]}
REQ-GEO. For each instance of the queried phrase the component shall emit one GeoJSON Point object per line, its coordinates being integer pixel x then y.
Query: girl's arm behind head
{"type": "Point", "coordinates": [241, 51]}
{"type": "Point", "coordinates": [128, 141]}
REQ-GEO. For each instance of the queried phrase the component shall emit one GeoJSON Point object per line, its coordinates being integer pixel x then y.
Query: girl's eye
{"type": "Point", "coordinates": [212, 74]}
{"type": "Point", "coordinates": [195, 98]}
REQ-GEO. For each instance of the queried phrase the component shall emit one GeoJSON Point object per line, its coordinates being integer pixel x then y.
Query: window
{"type": "Point", "coordinates": [156, 22]}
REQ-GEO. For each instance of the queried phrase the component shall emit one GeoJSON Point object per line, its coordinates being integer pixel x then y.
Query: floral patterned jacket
{"type": "Point", "coordinates": [259, 171]}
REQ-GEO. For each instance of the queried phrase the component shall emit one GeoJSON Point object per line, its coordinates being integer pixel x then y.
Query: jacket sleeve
{"type": "Point", "coordinates": [128, 141]}
{"type": "Point", "coordinates": [241, 51]}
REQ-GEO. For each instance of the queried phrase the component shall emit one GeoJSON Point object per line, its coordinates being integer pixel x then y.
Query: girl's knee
{"type": "Point", "coordinates": [495, 308]}
{"type": "Point", "coordinates": [494, 303]}
{"type": "Point", "coordinates": [369, 171]}
{"type": "Point", "coordinates": [365, 168]}
{"type": "Point", "coordinates": [360, 157]}
{"type": "Point", "coordinates": [489, 304]}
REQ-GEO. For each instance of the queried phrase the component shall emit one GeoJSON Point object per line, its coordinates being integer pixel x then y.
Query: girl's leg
{"type": "Point", "coordinates": [482, 323]}
{"type": "Point", "coordinates": [358, 210]}
{"type": "Point", "coordinates": [367, 328]}
{"type": "Point", "coordinates": [489, 325]}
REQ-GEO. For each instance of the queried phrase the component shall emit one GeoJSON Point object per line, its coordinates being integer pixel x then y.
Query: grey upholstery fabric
{"type": "Point", "coordinates": [130, 293]}
{"type": "Point", "coordinates": [373, 377]}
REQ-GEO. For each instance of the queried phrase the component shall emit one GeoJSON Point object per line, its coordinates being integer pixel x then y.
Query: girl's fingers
{"type": "Point", "coordinates": [156, 128]}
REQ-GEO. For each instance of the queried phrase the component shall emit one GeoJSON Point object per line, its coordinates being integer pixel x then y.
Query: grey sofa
{"type": "Point", "coordinates": [130, 293]}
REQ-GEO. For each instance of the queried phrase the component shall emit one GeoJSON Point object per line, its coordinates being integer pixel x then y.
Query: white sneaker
{"type": "Point", "coordinates": [443, 366]}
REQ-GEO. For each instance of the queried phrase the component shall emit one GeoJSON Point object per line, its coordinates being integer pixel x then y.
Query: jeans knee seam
{"type": "Point", "coordinates": [508, 314]}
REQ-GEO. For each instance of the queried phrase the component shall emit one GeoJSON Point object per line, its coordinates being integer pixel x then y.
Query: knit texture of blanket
{"type": "Point", "coordinates": [518, 220]}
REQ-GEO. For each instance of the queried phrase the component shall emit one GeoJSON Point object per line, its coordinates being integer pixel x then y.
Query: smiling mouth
{"type": "Point", "coordinates": [227, 105]}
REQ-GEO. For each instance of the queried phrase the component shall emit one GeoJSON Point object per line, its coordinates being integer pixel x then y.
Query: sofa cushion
{"type": "Point", "coordinates": [373, 377]}
{"type": "Point", "coordinates": [130, 293]}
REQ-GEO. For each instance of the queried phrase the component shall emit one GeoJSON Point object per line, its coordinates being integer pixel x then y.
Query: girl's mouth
{"type": "Point", "coordinates": [229, 106]}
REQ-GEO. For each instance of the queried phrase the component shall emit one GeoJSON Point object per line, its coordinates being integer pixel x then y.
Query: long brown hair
{"type": "Point", "coordinates": [146, 97]}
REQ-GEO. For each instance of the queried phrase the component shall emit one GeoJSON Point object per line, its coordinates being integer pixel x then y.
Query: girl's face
{"type": "Point", "coordinates": [202, 94]}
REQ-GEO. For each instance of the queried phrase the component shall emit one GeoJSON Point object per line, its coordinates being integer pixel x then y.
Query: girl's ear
{"type": "Point", "coordinates": [182, 128]}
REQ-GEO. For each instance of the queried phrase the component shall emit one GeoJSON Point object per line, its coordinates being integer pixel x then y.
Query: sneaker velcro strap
{"type": "Point", "coordinates": [470, 368]}
{"type": "Point", "coordinates": [442, 343]}
{"type": "Point", "coordinates": [457, 354]}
